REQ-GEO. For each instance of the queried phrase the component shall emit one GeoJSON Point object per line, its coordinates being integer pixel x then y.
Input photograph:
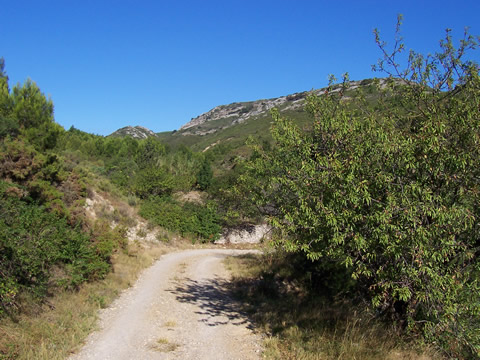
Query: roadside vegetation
{"type": "Point", "coordinates": [372, 191]}
{"type": "Point", "coordinates": [59, 264]}
{"type": "Point", "coordinates": [60, 324]}
{"type": "Point", "coordinates": [308, 315]}
{"type": "Point", "coordinates": [388, 190]}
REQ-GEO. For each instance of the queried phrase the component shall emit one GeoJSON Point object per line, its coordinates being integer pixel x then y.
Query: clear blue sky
{"type": "Point", "coordinates": [109, 64]}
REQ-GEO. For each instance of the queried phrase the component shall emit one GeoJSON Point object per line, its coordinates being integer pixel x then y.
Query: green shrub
{"type": "Point", "coordinates": [204, 175]}
{"type": "Point", "coordinates": [33, 240]}
{"type": "Point", "coordinates": [189, 219]}
{"type": "Point", "coordinates": [153, 182]}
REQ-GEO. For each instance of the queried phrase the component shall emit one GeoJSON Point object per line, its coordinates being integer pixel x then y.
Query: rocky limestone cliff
{"type": "Point", "coordinates": [245, 234]}
{"type": "Point", "coordinates": [239, 112]}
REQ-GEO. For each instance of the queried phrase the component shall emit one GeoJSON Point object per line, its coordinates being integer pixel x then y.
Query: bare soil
{"type": "Point", "coordinates": [180, 308]}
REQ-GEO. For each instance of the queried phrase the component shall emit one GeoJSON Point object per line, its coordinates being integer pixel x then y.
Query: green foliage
{"type": "Point", "coordinates": [184, 165]}
{"type": "Point", "coordinates": [304, 321]}
{"type": "Point", "coordinates": [42, 243]}
{"type": "Point", "coordinates": [153, 182]}
{"type": "Point", "coordinates": [32, 242]}
{"type": "Point", "coordinates": [205, 175]}
{"type": "Point", "coordinates": [132, 164]}
{"type": "Point", "coordinates": [189, 219]}
{"type": "Point", "coordinates": [162, 211]}
{"type": "Point", "coordinates": [202, 220]}
{"type": "Point", "coordinates": [43, 136]}
{"type": "Point", "coordinates": [8, 126]}
{"type": "Point", "coordinates": [149, 151]}
{"type": "Point", "coordinates": [106, 240]}
{"type": "Point", "coordinates": [8, 123]}
{"type": "Point", "coordinates": [45, 242]}
{"type": "Point", "coordinates": [391, 191]}
{"type": "Point", "coordinates": [43, 176]}
{"type": "Point", "coordinates": [30, 106]}
{"type": "Point", "coordinates": [26, 110]}
{"type": "Point", "coordinates": [230, 191]}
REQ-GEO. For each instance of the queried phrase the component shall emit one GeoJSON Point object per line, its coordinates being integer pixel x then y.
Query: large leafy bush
{"type": "Point", "coordinates": [391, 189]}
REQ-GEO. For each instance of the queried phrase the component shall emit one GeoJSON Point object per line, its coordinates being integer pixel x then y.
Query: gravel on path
{"type": "Point", "coordinates": [180, 308]}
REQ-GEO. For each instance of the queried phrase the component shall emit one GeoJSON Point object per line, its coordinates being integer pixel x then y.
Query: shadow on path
{"type": "Point", "coordinates": [215, 301]}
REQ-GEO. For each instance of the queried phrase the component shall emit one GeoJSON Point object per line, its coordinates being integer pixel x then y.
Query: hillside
{"type": "Point", "coordinates": [228, 126]}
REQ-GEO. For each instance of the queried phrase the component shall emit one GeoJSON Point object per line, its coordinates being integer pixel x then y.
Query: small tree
{"type": "Point", "coordinates": [8, 123]}
{"type": "Point", "coordinates": [149, 151]}
{"type": "Point", "coordinates": [30, 106]}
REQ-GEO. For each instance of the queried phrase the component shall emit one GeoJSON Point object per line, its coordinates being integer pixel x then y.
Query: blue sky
{"type": "Point", "coordinates": [109, 64]}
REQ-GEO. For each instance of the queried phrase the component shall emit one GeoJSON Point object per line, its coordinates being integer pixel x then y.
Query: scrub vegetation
{"type": "Point", "coordinates": [372, 190]}
{"type": "Point", "coordinates": [58, 264]}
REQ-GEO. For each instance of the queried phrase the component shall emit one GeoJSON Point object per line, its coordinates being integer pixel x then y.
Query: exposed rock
{"type": "Point", "coordinates": [245, 234]}
{"type": "Point", "coordinates": [137, 132]}
{"type": "Point", "coordinates": [191, 196]}
{"type": "Point", "coordinates": [239, 112]}
{"type": "Point", "coordinates": [142, 232]}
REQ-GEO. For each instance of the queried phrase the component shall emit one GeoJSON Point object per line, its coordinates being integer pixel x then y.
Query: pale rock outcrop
{"type": "Point", "coordinates": [245, 234]}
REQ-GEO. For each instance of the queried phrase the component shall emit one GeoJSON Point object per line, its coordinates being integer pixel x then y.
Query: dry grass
{"type": "Point", "coordinates": [164, 345]}
{"type": "Point", "coordinates": [244, 267]}
{"type": "Point", "coordinates": [61, 327]}
{"type": "Point", "coordinates": [300, 326]}
{"type": "Point", "coordinates": [170, 324]}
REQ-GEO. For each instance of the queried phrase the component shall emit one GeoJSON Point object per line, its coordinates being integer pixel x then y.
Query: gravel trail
{"type": "Point", "coordinates": [179, 308]}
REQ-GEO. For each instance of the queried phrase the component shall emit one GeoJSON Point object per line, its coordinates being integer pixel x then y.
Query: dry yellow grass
{"type": "Point", "coordinates": [170, 324]}
{"type": "Point", "coordinates": [164, 345]}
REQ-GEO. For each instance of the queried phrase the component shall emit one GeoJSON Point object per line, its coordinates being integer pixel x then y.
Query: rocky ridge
{"type": "Point", "coordinates": [237, 113]}
{"type": "Point", "coordinates": [229, 115]}
{"type": "Point", "coordinates": [225, 116]}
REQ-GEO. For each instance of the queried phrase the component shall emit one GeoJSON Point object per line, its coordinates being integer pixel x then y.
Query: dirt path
{"type": "Point", "coordinates": [178, 309]}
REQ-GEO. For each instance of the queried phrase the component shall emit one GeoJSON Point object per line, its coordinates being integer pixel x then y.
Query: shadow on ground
{"type": "Point", "coordinates": [215, 300]}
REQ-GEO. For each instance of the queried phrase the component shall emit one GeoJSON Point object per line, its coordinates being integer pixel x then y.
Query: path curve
{"type": "Point", "coordinates": [180, 308]}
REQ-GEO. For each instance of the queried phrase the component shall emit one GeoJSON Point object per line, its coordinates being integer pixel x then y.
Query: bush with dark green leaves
{"type": "Point", "coordinates": [44, 240]}
{"type": "Point", "coordinates": [153, 182]}
{"type": "Point", "coordinates": [205, 175]}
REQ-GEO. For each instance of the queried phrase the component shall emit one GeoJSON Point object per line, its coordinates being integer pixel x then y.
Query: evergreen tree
{"type": "Point", "coordinates": [8, 123]}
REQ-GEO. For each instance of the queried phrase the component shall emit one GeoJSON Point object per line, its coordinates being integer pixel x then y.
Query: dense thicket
{"type": "Point", "coordinates": [390, 189]}
{"type": "Point", "coordinates": [33, 240]}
